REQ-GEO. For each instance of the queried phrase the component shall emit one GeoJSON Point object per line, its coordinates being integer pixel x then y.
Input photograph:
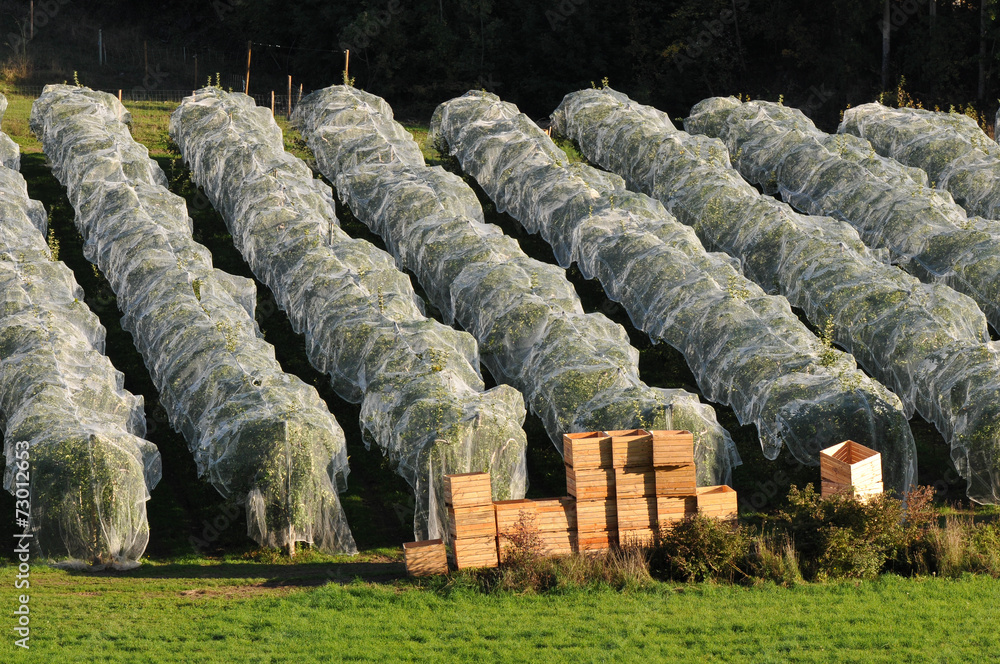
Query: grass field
{"type": "Point", "coordinates": [260, 613]}
{"type": "Point", "coordinates": [225, 600]}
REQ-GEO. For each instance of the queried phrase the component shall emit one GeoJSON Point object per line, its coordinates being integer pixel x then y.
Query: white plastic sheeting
{"type": "Point", "coordinates": [73, 439]}
{"type": "Point", "coordinates": [925, 341]}
{"type": "Point", "coordinates": [746, 349]}
{"type": "Point", "coordinates": [779, 149]}
{"type": "Point", "coordinates": [950, 147]}
{"type": "Point", "coordinates": [578, 371]}
{"type": "Point", "coordinates": [423, 400]}
{"type": "Point", "coordinates": [258, 434]}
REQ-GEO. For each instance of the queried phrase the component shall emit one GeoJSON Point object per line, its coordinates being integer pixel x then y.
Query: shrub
{"type": "Point", "coordinates": [700, 548]}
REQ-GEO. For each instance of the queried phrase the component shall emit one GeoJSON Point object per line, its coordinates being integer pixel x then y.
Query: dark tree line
{"type": "Point", "coordinates": [672, 53]}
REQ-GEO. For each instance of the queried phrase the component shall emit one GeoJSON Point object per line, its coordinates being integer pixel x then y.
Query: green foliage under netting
{"type": "Point", "coordinates": [745, 348]}
{"type": "Point", "coordinates": [578, 371]}
{"type": "Point", "coordinates": [927, 342]}
{"type": "Point", "coordinates": [258, 434]}
{"type": "Point", "coordinates": [423, 402]}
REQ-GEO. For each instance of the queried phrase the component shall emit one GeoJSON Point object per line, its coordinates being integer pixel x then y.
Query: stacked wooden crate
{"type": "Point", "coordinates": [635, 485]}
{"type": "Point", "coordinates": [548, 523]}
{"type": "Point", "coordinates": [850, 468]}
{"type": "Point", "coordinates": [472, 522]}
{"type": "Point", "coordinates": [590, 480]}
{"type": "Point", "coordinates": [676, 477]}
{"type": "Point", "coordinates": [426, 558]}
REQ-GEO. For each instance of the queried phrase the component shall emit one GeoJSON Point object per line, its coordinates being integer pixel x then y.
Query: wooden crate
{"type": "Point", "coordinates": [634, 485]}
{"type": "Point", "coordinates": [679, 480]}
{"type": "Point", "coordinates": [637, 537]}
{"type": "Point", "coordinates": [426, 558]}
{"type": "Point", "coordinates": [829, 489]}
{"type": "Point", "coordinates": [555, 514]}
{"type": "Point", "coordinates": [508, 512]}
{"type": "Point", "coordinates": [474, 552]}
{"type": "Point", "coordinates": [672, 448]}
{"type": "Point", "coordinates": [636, 513]}
{"type": "Point", "coordinates": [595, 540]}
{"type": "Point", "coordinates": [475, 521]}
{"type": "Point", "coordinates": [587, 451]}
{"type": "Point", "coordinates": [671, 509]}
{"type": "Point", "coordinates": [468, 489]}
{"type": "Point", "coordinates": [551, 544]}
{"type": "Point", "coordinates": [590, 484]}
{"type": "Point", "coordinates": [632, 448]}
{"type": "Point", "coordinates": [596, 515]}
{"type": "Point", "coordinates": [850, 464]}
{"type": "Point", "coordinates": [717, 501]}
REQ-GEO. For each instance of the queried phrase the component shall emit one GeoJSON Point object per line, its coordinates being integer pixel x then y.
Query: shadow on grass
{"type": "Point", "coordinates": [273, 575]}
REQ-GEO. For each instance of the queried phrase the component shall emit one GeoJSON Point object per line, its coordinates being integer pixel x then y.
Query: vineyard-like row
{"type": "Point", "coordinates": [949, 147]}
{"type": "Point", "coordinates": [266, 439]}
{"type": "Point", "coordinates": [746, 349]}
{"type": "Point", "coordinates": [577, 371]}
{"type": "Point", "coordinates": [261, 436]}
{"type": "Point", "coordinates": [926, 341]}
{"type": "Point", "coordinates": [422, 397]}
{"type": "Point", "coordinates": [75, 457]}
{"type": "Point", "coordinates": [891, 206]}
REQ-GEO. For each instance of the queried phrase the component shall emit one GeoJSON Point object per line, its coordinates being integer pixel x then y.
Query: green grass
{"type": "Point", "coordinates": [253, 613]}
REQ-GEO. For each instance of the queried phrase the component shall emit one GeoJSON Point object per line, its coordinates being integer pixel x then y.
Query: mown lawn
{"type": "Point", "coordinates": [259, 613]}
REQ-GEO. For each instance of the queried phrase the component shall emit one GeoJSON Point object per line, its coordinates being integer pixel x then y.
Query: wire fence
{"type": "Point", "coordinates": [139, 94]}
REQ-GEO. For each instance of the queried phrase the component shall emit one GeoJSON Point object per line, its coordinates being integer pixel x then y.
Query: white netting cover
{"type": "Point", "coordinates": [423, 400]}
{"type": "Point", "coordinates": [746, 349]}
{"type": "Point", "coordinates": [10, 153]}
{"type": "Point", "coordinates": [69, 425]}
{"type": "Point", "coordinates": [922, 340]}
{"type": "Point", "coordinates": [258, 434]}
{"type": "Point", "coordinates": [578, 371]}
{"type": "Point", "coordinates": [950, 147]}
{"type": "Point", "coordinates": [890, 205]}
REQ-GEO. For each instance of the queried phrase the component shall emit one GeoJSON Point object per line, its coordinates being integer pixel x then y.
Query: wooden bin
{"type": "Point", "coordinates": [587, 451]}
{"type": "Point", "coordinates": [426, 558]}
{"type": "Point", "coordinates": [596, 540]}
{"type": "Point", "coordinates": [558, 543]}
{"type": "Point", "coordinates": [634, 484]}
{"type": "Point", "coordinates": [555, 514]}
{"type": "Point", "coordinates": [631, 448]}
{"type": "Point", "coordinates": [672, 448]}
{"type": "Point", "coordinates": [637, 537]}
{"type": "Point", "coordinates": [587, 484]}
{"type": "Point", "coordinates": [717, 501]}
{"type": "Point", "coordinates": [850, 464]}
{"type": "Point", "coordinates": [475, 552]}
{"type": "Point", "coordinates": [596, 515]}
{"type": "Point", "coordinates": [671, 509]}
{"type": "Point", "coordinates": [474, 521]}
{"type": "Point", "coordinates": [468, 489]}
{"type": "Point", "coordinates": [636, 513]}
{"type": "Point", "coordinates": [679, 480]}
{"type": "Point", "coordinates": [509, 512]}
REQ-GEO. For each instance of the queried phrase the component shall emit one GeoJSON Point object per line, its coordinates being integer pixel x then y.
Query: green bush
{"type": "Point", "coordinates": [700, 548]}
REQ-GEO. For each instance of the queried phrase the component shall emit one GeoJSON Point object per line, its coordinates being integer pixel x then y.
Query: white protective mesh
{"type": "Point", "coordinates": [423, 400]}
{"type": "Point", "coordinates": [950, 147]}
{"type": "Point", "coordinates": [69, 425]}
{"type": "Point", "coordinates": [923, 340]}
{"type": "Point", "coordinates": [578, 371]}
{"type": "Point", "coordinates": [260, 435]}
{"type": "Point", "coordinates": [745, 348]}
{"type": "Point", "coordinates": [781, 150]}
{"type": "Point", "coordinates": [10, 153]}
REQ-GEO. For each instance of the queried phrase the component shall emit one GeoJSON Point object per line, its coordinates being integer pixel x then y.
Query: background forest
{"type": "Point", "coordinates": [820, 56]}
